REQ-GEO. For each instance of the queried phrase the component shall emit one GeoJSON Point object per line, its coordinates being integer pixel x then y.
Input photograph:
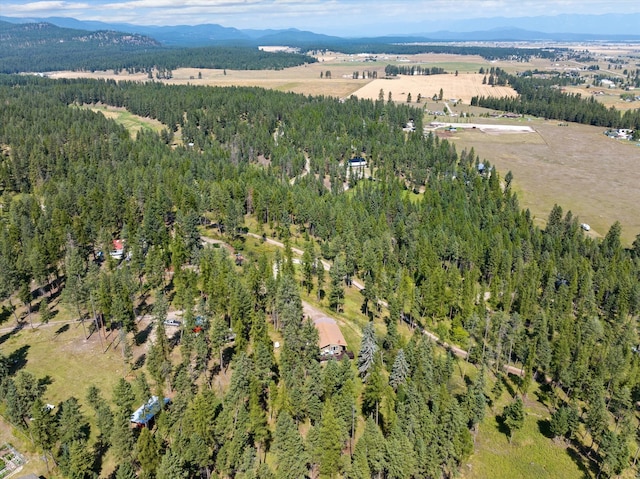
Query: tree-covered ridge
{"type": "Point", "coordinates": [544, 98]}
{"type": "Point", "coordinates": [443, 243]}
{"type": "Point", "coordinates": [24, 36]}
{"type": "Point", "coordinates": [406, 46]}
{"type": "Point", "coordinates": [42, 47]}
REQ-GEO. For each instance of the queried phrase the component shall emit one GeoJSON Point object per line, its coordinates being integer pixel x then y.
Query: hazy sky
{"type": "Point", "coordinates": [321, 16]}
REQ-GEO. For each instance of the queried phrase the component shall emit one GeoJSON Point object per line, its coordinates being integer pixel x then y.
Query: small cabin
{"type": "Point", "coordinates": [357, 162]}
{"type": "Point", "coordinates": [118, 249]}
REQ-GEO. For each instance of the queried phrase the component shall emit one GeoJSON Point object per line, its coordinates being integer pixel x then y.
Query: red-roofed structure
{"type": "Point", "coordinates": [118, 249]}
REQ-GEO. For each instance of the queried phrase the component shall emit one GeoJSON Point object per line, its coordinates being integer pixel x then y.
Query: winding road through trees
{"type": "Point", "coordinates": [459, 352]}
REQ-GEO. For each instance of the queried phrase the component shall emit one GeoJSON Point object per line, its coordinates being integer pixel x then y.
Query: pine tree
{"type": "Point", "coordinates": [368, 348]}
{"type": "Point", "coordinates": [372, 446]}
{"type": "Point", "coordinates": [399, 371]}
{"type": "Point", "coordinates": [43, 429]}
{"type": "Point", "coordinates": [126, 471]}
{"type": "Point", "coordinates": [308, 262]}
{"type": "Point", "coordinates": [258, 427]}
{"type": "Point", "coordinates": [291, 457]}
{"type": "Point", "coordinates": [124, 397]}
{"type": "Point", "coordinates": [514, 416]}
{"type": "Point", "coordinates": [171, 467]}
{"type": "Point", "coordinates": [147, 451]}
{"type": "Point", "coordinates": [77, 460]}
{"type": "Point", "coordinates": [122, 440]}
{"type": "Point", "coordinates": [72, 425]}
{"type": "Point", "coordinates": [329, 446]}
{"type": "Point", "coordinates": [399, 456]}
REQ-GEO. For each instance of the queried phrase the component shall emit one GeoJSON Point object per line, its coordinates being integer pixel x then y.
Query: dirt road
{"type": "Point", "coordinates": [313, 312]}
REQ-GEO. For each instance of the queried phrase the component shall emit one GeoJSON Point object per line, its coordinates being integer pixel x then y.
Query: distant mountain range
{"type": "Point", "coordinates": [561, 28]}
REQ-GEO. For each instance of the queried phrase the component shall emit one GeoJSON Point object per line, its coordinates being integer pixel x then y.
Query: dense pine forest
{"type": "Point", "coordinates": [438, 240]}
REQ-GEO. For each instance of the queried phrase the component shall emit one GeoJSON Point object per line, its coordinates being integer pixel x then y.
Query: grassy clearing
{"type": "Point", "coordinates": [58, 353]}
{"type": "Point", "coordinates": [131, 122]}
{"type": "Point", "coordinates": [531, 453]}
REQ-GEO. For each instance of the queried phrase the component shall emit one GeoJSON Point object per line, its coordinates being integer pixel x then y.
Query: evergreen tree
{"type": "Point", "coordinates": [329, 445]}
{"type": "Point", "coordinates": [171, 467]}
{"type": "Point", "coordinates": [291, 457]}
{"type": "Point", "coordinates": [147, 452]}
{"type": "Point", "coordinates": [126, 470]}
{"type": "Point", "coordinates": [43, 429]}
{"type": "Point", "coordinates": [368, 348]}
{"type": "Point", "coordinates": [399, 371]}
{"type": "Point", "coordinates": [513, 415]}
{"type": "Point", "coordinates": [72, 425]}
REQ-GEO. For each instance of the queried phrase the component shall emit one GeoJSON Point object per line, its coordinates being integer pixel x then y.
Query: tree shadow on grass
{"type": "Point", "coordinates": [16, 329]}
{"type": "Point", "coordinates": [588, 468]}
{"type": "Point", "coordinates": [5, 314]}
{"type": "Point", "coordinates": [100, 449]}
{"type": "Point", "coordinates": [139, 362]}
{"type": "Point", "coordinates": [142, 336]}
{"type": "Point", "coordinates": [544, 394]}
{"type": "Point", "coordinates": [501, 425]}
{"type": "Point", "coordinates": [174, 340]}
{"type": "Point", "coordinates": [544, 426]}
{"type": "Point", "coordinates": [509, 385]}
{"type": "Point", "coordinates": [62, 329]}
{"type": "Point", "coordinates": [18, 359]}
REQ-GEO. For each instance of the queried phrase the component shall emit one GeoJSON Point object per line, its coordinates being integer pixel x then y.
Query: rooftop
{"type": "Point", "coordinates": [328, 332]}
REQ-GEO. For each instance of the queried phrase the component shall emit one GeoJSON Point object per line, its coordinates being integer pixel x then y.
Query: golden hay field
{"type": "Point", "coordinates": [306, 79]}
{"type": "Point", "coordinates": [462, 87]}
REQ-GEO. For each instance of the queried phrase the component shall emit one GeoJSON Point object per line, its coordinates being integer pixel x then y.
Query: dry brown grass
{"type": "Point", "coordinates": [305, 79]}
{"type": "Point", "coordinates": [463, 87]}
{"type": "Point", "coordinates": [576, 167]}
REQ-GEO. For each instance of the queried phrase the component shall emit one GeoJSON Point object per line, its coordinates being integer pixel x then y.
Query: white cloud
{"type": "Point", "coordinates": [357, 16]}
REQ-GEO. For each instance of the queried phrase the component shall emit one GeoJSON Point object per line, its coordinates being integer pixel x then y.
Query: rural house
{"type": "Point", "coordinates": [330, 339]}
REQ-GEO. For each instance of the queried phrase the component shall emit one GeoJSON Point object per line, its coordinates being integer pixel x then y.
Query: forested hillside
{"type": "Point", "coordinates": [43, 47]}
{"type": "Point", "coordinates": [437, 239]}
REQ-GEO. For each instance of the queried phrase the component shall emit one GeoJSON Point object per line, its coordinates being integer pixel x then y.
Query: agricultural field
{"type": "Point", "coordinates": [311, 79]}
{"type": "Point", "coordinates": [575, 166]}
{"type": "Point", "coordinates": [462, 87]}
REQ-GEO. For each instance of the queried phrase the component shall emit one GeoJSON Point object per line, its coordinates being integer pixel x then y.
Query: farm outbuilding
{"type": "Point", "coordinates": [145, 413]}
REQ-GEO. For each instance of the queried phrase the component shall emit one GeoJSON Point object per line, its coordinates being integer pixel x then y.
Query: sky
{"type": "Point", "coordinates": [375, 17]}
